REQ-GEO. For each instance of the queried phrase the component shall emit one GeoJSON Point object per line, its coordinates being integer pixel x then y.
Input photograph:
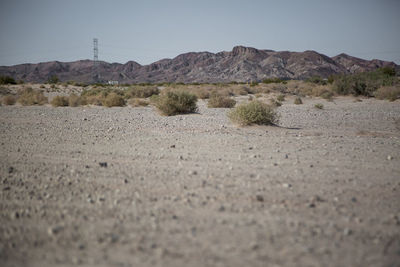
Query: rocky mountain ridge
{"type": "Point", "coordinates": [241, 64]}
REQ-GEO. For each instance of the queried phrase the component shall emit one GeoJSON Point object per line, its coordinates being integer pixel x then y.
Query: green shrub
{"type": "Point", "coordinates": [319, 106]}
{"type": "Point", "coordinates": [365, 83]}
{"type": "Point", "coordinates": [9, 100]}
{"type": "Point", "coordinates": [28, 97]}
{"type": "Point", "coordinates": [298, 101]}
{"type": "Point", "coordinates": [254, 112]}
{"type": "Point", "coordinates": [272, 80]}
{"type": "Point", "coordinates": [388, 92]}
{"type": "Point", "coordinates": [178, 102]}
{"type": "Point", "coordinates": [7, 80]}
{"type": "Point", "coordinates": [59, 101]}
{"type": "Point", "coordinates": [317, 80]}
{"type": "Point", "coordinates": [219, 101]}
{"type": "Point", "coordinates": [53, 79]}
{"type": "Point", "coordinates": [113, 100]}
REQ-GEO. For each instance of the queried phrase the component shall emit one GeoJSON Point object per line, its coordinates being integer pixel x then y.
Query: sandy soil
{"type": "Point", "coordinates": [94, 186]}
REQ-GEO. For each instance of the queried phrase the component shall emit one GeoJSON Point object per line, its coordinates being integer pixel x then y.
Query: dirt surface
{"type": "Point", "coordinates": [94, 186]}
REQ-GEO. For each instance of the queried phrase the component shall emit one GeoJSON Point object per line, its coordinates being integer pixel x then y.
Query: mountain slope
{"type": "Point", "coordinates": [240, 64]}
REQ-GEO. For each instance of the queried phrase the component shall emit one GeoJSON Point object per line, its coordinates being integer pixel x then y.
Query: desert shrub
{"type": "Point", "coordinates": [9, 100]}
{"type": "Point", "coordinates": [254, 112]}
{"type": "Point", "coordinates": [281, 98]}
{"type": "Point", "coordinates": [201, 92]}
{"type": "Point", "coordinates": [42, 86]}
{"type": "Point", "coordinates": [59, 101]}
{"type": "Point", "coordinates": [96, 100]}
{"type": "Point", "coordinates": [178, 102]}
{"type": "Point", "coordinates": [253, 84]}
{"type": "Point", "coordinates": [113, 100]}
{"type": "Point", "coordinates": [75, 100]}
{"type": "Point", "coordinates": [388, 92]}
{"type": "Point", "coordinates": [53, 79]}
{"type": "Point", "coordinates": [272, 80]}
{"type": "Point", "coordinates": [7, 80]}
{"type": "Point", "coordinates": [275, 102]}
{"type": "Point", "coordinates": [365, 83]}
{"type": "Point", "coordinates": [298, 101]}
{"type": "Point", "coordinates": [319, 106]}
{"type": "Point", "coordinates": [317, 80]}
{"type": "Point", "coordinates": [327, 95]}
{"type": "Point", "coordinates": [142, 91]}
{"type": "Point", "coordinates": [138, 102]}
{"type": "Point", "coordinates": [241, 90]}
{"type": "Point", "coordinates": [219, 101]}
{"type": "Point", "coordinates": [29, 97]}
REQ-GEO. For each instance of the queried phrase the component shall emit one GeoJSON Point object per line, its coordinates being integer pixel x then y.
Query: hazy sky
{"type": "Point", "coordinates": [146, 31]}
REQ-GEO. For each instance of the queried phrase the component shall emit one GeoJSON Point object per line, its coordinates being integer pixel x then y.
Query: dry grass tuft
{"type": "Point", "coordinates": [298, 101]}
{"type": "Point", "coordinates": [28, 97]}
{"type": "Point", "coordinates": [390, 93]}
{"type": "Point", "coordinates": [113, 100]}
{"type": "Point", "coordinates": [137, 102]}
{"type": "Point", "coordinates": [9, 100]}
{"type": "Point", "coordinates": [59, 101]}
{"type": "Point", "coordinates": [219, 101]}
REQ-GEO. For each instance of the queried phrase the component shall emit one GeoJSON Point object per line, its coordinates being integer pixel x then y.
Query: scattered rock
{"type": "Point", "coordinates": [54, 230]}
{"type": "Point", "coordinates": [103, 164]}
{"type": "Point", "coordinates": [11, 169]}
{"type": "Point", "coordinates": [260, 198]}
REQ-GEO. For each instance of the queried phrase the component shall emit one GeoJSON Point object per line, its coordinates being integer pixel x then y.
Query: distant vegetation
{"type": "Point", "coordinates": [180, 98]}
{"type": "Point", "coordinates": [7, 80]}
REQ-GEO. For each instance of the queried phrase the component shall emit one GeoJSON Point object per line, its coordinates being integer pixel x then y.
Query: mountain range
{"type": "Point", "coordinates": [242, 64]}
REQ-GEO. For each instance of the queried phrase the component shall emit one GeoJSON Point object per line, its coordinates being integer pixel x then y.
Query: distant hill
{"type": "Point", "coordinates": [240, 64]}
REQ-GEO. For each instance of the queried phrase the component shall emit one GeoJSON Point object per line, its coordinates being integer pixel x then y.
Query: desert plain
{"type": "Point", "coordinates": [123, 186]}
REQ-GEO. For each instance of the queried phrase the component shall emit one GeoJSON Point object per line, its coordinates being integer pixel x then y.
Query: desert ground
{"type": "Point", "coordinates": [123, 186]}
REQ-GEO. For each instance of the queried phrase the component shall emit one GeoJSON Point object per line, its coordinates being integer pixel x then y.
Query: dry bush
{"type": "Point", "coordinates": [240, 90]}
{"type": "Point", "coordinates": [319, 106]}
{"type": "Point", "coordinates": [28, 97]}
{"type": "Point", "coordinates": [113, 100]}
{"type": "Point", "coordinates": [275, 102]}
{"type": "Point", "coordinates": [254, 112]}
{"type": "Point", "coordinates": [388, 92]}
{"type": "Point", "coordinates": [176, 102]}
{"type": "Point", "coordinates": [298, 101]}
{"type": "Point", "coordinates": [280, 98]}
{"type": "Point", "coordinates": [9, 100]}
{"type": "Point", "coordinates": [142, 91]}
{"type": "Point", "coordinates": [138, 102]}
{"type": "Point", "coordinates": [201, 92]}
{"type": "Point", "coordinates": [59, 101]}
{"type": "Point", "coordinates": [219, 101]}
{"type": "Point", "coordinates": [75, 100]}
{"type": "Point", "coordinates": [96, 100]}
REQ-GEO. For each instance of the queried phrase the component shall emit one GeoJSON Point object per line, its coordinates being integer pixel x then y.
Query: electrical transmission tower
{"type": "Point", "coordinates": [96, 75]}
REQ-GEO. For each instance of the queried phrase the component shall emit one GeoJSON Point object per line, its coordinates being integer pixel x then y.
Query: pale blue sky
{"type": "Point", "coordinates": [146, 31]}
